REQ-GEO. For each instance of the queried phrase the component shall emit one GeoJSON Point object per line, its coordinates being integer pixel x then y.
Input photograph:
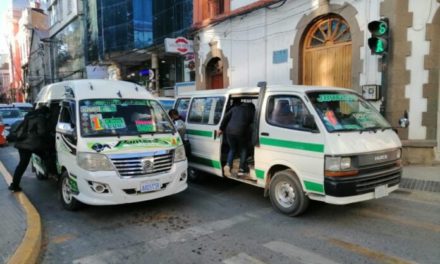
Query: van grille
{"type": "Point", "coordinates": [143, 165]}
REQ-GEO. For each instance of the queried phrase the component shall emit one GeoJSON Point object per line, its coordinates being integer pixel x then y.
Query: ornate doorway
{"type": "Point", "coordinates": [327, 53]}
{"type": "Point", "coordinates": [214, 74]}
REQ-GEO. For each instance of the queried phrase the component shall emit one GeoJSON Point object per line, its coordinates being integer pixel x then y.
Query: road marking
{"type": "Point", "coordinates": [401, 220]}
{"type": "Point", "coordinates": [242, 258]}
{"type": "Point", "coordinates": [62, 238]}
{"type": "Point", "coordinates": [375, 255]}
{"type": "Point", "coordinates": [180, 236]}
{"type": "Point", "coordinates": [209, 228]}
{"type": "Point", "coordinates": [298, 254]}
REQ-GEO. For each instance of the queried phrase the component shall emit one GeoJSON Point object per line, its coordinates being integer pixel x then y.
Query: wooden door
{"type": "Point", "coordinates": [327, 53]}
{"type": "Point", "coordinates": [217, 81]}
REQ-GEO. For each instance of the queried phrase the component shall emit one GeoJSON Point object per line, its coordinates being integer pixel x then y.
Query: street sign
{"type": "Point", "coordinates": [179, 45]}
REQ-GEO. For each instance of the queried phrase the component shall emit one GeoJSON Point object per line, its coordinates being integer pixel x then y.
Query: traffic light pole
{"type": "Point", "coordinates": [384, 81]}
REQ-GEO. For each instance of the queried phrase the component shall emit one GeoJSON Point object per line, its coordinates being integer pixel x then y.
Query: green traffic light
{"type": "Point", "coordinates": [382, 28]}
{"type": "Point", "coordinates": [379, 47]}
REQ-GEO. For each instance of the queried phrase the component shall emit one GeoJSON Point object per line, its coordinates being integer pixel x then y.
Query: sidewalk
{"type": "Point", "coordinates": [421, 178]}
{"type": "Point", "coordinates": [20, 225]}
{"type": "Point", "coordinates": [12, 222]}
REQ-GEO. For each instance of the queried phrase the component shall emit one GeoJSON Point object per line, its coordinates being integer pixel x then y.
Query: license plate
{"type": "Point", "coordinates": [380, 191]}
{"type": "Point", "coordinates": [150, 186]}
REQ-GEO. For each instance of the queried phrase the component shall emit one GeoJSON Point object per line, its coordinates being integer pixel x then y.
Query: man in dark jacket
{"type": "Point", "coordinates": [34, 140]}
{"type": "Point", "coordinates": [237, 126]}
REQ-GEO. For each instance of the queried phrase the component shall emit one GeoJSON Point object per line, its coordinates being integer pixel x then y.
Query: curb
{"type": "Point", "coordinates": [29, 249]}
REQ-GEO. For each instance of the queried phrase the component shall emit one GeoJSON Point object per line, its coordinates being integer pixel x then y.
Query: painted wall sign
{"type": "Point", "coordinates": [279, 56]}
{"type": "Point", "coordinates": [179, 45]}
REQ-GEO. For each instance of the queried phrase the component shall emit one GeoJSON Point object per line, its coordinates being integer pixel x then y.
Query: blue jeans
{"type": "Point", "coordinates": [237, 143]}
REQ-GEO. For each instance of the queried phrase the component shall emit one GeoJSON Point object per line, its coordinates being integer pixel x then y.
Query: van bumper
{"type": "Point", "coordinates": [123, 190]}
{"type": "Point", "coordinates": [352, 199]}
{"type": "Point", "coordinates": [361, 184]}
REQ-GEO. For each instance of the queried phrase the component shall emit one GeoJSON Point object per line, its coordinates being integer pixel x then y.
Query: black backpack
{"type": "Point", "coordinates": [18, 131]}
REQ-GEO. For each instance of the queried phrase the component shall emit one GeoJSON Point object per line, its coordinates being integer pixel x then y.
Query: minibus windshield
{"type": "Point", "coordinates": [122, 117]}
{"type": "Point", "coordinates": [346, 111]}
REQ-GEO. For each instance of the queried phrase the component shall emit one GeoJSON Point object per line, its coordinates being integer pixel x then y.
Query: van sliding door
{"type": "Point", "coordinates": [203, 122]}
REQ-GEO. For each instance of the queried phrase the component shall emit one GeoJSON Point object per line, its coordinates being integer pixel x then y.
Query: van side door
{"type": "Point", "coordinates": [203, 122]}
{"type": "Point", "coordinates": [66, 133]}
{"type": "Point", "coordinates": [286, 138]}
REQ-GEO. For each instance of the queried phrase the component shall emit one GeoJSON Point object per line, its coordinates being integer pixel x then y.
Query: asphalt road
{"type": "Point", "coordinates": [222, 221]}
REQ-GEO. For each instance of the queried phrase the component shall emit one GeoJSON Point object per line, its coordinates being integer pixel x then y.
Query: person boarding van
{"type": "Point", "coordinates": [114, 144]}
{"type": "Point", "coordinates": [308, 143]}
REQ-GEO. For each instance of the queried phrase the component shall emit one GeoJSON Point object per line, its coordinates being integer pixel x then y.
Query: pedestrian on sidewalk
{"type": "Point", "coordinates": [237, 125]}
{"type": "Point", "coordinates": [32, 137]}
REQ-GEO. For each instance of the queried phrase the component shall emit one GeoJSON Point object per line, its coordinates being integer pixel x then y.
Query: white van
{"type": "Point", "coordinates": [114, 144]}
{"type": "Point", "coordinates": [318, 143]}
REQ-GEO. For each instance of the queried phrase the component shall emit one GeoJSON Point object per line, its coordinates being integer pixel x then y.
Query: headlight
{"type": "Point", "coordinates": [337, 163]}
{"type": "Point", "coordinates": [179, 154]}
{"type": "Point", "coordinates": [399, 153]}
{"type": "Point", "coordinates": [94, 162]}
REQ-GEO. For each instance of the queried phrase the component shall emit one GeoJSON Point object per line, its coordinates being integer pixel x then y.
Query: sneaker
{"type": "Point", "coordinates": [242, 173]}
{"type": "Point", "coordinates": [227, 171]}
{"type": "Point", "coordinates": [14, 188]}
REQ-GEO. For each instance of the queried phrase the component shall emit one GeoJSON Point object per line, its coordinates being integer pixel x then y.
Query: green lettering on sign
{"type": "Point", "coordinates": [336, 97]}
{"type": "Point", "coordinates": [114, 123]}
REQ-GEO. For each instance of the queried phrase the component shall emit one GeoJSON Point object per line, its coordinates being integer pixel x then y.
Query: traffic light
{"type": "Point", "coordinates": [379, 40]}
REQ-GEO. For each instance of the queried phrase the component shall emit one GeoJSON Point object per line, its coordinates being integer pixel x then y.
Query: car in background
{"type": "Point", "coordinates": [166, 102]}
{"type": "Point", "coordinates": [10, 115]}
{"type": "Point", "coordinates": [25, 107]}
{"type": "Point", "coordinates": [2, 133]}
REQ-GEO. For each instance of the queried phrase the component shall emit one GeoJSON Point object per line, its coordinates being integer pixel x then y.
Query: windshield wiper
{"type": "Point", "coordinates": [343, 130]}
{"type": "Point", "coordinates": [385, 128]}
{"type": "Point", "coordinates": [373, 128]}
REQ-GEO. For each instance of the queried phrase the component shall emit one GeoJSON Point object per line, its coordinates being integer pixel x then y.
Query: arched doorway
{"type": "Point", "coordinates": [214, 74]}
{"type": "Point", "coordinates": [327, 53]}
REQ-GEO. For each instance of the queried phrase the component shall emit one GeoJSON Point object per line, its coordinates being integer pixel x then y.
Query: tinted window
{"type": "Point", "coordinates": [182, 106]}
{"type": "Point", "coordinates": [286, 111]}
{"type": "Point", "coordinates": [206, 110]}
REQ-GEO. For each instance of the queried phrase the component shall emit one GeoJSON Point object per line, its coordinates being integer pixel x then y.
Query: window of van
{"type": "Point", "coordinates": [286, 111]}
{"type": "Point", "coordinates": [206, 110]}
{"type": "Point", "coordinates": [122, 117]}
{"type": "Point", "coordinates": [182, 106]}
{"type": "Point", "coordinates": [346, 111]}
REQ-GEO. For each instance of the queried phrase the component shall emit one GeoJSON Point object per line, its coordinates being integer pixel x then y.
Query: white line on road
{"type": "Point", "coordinates": [242, 258]}
{"type": "Point", "coordinates": [182, 236]}
{"type": "Point", "coordinates": [298, 254]}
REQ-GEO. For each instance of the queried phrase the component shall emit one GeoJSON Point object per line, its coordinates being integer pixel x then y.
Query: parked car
{"type": "Point", "coordinates": [10, 115]}
{"type": "Point", "coordinates": [2, 132]}
{"type": "Point", "coordinates": [25, 107]}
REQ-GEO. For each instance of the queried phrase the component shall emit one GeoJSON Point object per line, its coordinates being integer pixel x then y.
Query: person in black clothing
{"type": "Point", "coordinates": [34, 140]}
{"type": "Point", "coordinates": [237, 126]}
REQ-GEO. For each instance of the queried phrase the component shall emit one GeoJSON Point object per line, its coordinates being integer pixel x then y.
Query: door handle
{"type": "Point", "coordinates": [264, 134]}
{"type": "Point", "coordinates": [215, 134]}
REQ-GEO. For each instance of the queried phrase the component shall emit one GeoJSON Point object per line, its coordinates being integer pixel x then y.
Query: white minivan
{"type": "Point", "coordinates": [308, 143]}
{"type": "Point", "coordinates": [114, 144]}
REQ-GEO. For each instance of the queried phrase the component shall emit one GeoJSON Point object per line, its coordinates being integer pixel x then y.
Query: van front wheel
{"type": "Point", "coordinates": [66, 196]}
{"type": "Point", "coordinates": [286, 193]}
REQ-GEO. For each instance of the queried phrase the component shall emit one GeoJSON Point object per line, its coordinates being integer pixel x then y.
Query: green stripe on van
{"type": "Point", "coordinates": [259, 173]}
{"type": "Point", "coordinates": [313, 186]}
{"type": "Point", "coordinates": [201, 133]}
{"type": "Point", "coordinates": [207, 162]}
{"type": "Point", "coordinates": [292, 144]}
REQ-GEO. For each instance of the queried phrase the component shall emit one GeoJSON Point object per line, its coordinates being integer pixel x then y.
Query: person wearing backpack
{"type": "Point", "coordinates": [31, 137]}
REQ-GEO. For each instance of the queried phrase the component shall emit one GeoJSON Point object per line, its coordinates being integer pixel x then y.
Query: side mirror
{"type": "Point", "coordinates": [404, 121]}
{"type": "Point", "coordinates": [309, 123]}
{"type": "Point", "coordinates": [65, 129]}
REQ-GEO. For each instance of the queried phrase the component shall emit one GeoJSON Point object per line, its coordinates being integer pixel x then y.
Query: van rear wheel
{"type": "Point", "coordinates": [286, 193]}
{"type": "Point", "coordinates": [66, 195]}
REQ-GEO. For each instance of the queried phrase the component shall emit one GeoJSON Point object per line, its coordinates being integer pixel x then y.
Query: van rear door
{"type": "Point", "coordinates": [203, 122]}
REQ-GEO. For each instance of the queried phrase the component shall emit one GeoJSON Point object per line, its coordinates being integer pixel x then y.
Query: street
{"type": "Point", "coordinates": [222, 221]}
